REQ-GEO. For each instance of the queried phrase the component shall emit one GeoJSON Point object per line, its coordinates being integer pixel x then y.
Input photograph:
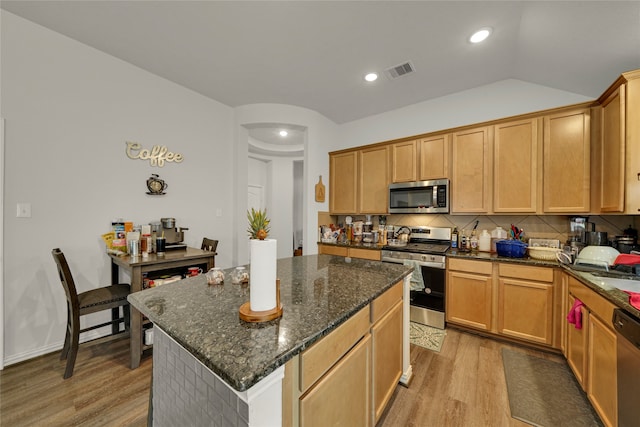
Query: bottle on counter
{"type": "Point", "coordinates": [497, 234]}
{"type": "Point", "coordinates": [454, 238]}
{"type": "Point", "coordinates": [473, 241]}
{"type": "Point", "coordinates": [462, 242]}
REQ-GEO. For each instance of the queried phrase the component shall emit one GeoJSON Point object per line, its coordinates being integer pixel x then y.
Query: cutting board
{"type": "Point", "coordinates": [320, 190]}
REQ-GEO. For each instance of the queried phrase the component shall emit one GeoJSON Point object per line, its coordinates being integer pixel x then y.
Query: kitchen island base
{"type": "Point", "coordinates": [186, 392]}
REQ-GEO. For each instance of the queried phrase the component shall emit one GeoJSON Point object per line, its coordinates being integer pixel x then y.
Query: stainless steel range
{"type": "Point", "coordinates": [425, 251]}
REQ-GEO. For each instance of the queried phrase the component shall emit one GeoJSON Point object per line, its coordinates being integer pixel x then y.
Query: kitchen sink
{"type": "Point", "coordinates": [605, 282]}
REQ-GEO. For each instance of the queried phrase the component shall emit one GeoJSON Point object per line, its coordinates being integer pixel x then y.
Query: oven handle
{"type": "Point", "coordinates": [437, 265]}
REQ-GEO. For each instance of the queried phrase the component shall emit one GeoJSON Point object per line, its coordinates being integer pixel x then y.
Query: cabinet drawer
{"type": "Point", "coordinates": [480, 267]}
{"type": "Point", "coordinates": [333, 250]}
{"type": "Point", "coordinates": [322, 355]}
{"type": "Point", "coordinates": [384, 302]}
{"type": "Point", "coordinates": [597, 305]}
{"type": "Point", "coordinates": [371, 254]}
{"type": "Point", "coordinates": [539, 274]}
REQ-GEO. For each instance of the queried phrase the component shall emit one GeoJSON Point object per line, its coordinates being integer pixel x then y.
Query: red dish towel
{"type": "Point", "coordinates": [575, 314]}
{"type": "Point", "coordinates": [634, 299]}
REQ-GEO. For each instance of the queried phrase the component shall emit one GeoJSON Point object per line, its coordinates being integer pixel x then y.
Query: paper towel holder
{"type": "Point", "coordinates": [249, 315]}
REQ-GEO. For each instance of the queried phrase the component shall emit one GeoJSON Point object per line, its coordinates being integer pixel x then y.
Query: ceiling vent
{"type": "Point", "coordinates": [399, 70]}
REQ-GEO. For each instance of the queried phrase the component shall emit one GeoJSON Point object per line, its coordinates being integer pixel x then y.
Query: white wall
{"type": "Point", "coordinates": [69, 110]}
{"type": "Point", "coordinates": [321, 133]}
{"type": "Point", "coordinates": [494, 101]}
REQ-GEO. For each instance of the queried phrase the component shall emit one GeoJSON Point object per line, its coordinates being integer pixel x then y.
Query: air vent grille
{"type": "Point", "coordinates": [400, 70]}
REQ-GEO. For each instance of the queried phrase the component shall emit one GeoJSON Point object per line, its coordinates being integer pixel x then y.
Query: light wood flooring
{"type": "Point", "coordinates": [463, 385]}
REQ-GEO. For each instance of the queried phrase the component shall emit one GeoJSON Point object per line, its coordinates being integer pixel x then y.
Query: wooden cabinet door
{"type": "Point", "coordinates": [333, 250]}
{"type": "Point", "coordinates": [525, 310]}
{"type": "Point", "coordinates": [434, 157]}
{"type": "Point", "coordinates": [515, 167]}
{"type": "Point", "coordinates": [404, 160]}
{"type": "Point", "coordinates": [343, 182]}
{"type": "Point", "coordinates": [577, 345]}
{"type": "Point", "coordinates": [602, 388]}
{"type": "Point", "coordinates": [343, 395]}
{"type": "Point", "coordinates": [612, 152]}
{"type": "Point", "coordinates": [387, 358]}
{"type": "Point", "coordinates": [471, 169]}
{"type": "Point", "coordinates": [632, 149]}
{"type": "Point", "coordinates": [373, 188]}
{"type": "Point", "coordinates": [567, 159]}
{"type": "Point", "coordinates": [468, 301]}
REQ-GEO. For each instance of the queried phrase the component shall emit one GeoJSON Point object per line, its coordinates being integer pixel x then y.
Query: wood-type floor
{"type": "Point", "coordinates": [463, 385]}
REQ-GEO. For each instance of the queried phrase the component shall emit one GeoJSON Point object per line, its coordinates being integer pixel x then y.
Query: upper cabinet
{"type": "Point", "coordinates": [618, 162]}
{"type": "Point", "coordinates": [421, 159]}
{"type": "Point", "coordinates": [373, 180]}
{"type": "Point", "coordinates": [471, 170]}
{"type": "Point", "coordinates": [567, 162]}
{"type": "Point", "coordinates": [434, 157]}
{"type": "Point", "coordinates": [404, 156]}
{"type": "Point", "coordinates": [516, 169]}
{"type": "Point", "coordinates": [359, 181]}
{"type": "Point", "coordinates": [343, 182]}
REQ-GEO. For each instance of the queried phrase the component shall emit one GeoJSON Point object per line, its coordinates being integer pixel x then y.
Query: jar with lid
{"type": "Point", "coordinates": [215, 276]}
{"type": "Point", "coordinates": [239, 275]}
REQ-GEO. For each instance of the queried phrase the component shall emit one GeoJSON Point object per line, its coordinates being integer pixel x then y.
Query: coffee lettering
{"type": "Point", "coordinates": [156, 156]}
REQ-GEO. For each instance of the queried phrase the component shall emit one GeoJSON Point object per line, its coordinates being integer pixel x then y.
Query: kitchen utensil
{"type": "Point", "coordinates": [320, 190]}
{"type": "Point", "coordinates": [596, 238]}
{"type": "Point", "coordinates": [542, 253]}
{"type": "Point", "coordinates": [597, 255]}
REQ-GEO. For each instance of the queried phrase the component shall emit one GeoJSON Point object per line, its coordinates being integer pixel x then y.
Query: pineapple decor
{"type": "Point", "coordinates": [258, 224]}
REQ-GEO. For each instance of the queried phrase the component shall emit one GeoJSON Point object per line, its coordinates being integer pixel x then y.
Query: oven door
{"type": "Point", "coordinates": [427, 305]}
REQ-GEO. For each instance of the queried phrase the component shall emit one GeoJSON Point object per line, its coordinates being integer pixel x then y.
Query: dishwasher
{"type": "Point", "coordinates": [628, 354]}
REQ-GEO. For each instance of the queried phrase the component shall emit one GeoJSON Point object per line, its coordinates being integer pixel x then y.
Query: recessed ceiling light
{"type": "Point", "coordinates": [371, 77]}
{"type": "Point", "coordinates": [284, 133]}
{"type": "Point", "coordinates": [480, 35]}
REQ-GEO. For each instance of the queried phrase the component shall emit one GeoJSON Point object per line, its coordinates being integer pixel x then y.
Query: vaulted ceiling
{"type": "Point", "coordinates": [314, 54]}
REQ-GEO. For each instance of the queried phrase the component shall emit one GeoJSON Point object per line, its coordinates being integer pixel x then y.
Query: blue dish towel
{"type": "Point", "coordinates": [417, 283]}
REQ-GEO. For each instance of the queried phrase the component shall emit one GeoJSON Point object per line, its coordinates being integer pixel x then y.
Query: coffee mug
{"type": "Point", "coordinates": [194, 271]}
{"type": "Point", "coordinates": [160, 246]}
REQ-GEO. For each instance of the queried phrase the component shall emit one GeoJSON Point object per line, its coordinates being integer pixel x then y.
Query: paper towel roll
{"type": "Point", "coordinates": [262, 277]}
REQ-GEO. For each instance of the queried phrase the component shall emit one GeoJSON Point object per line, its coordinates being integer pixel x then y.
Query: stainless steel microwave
{"type": "Point", "coordinates": [419, 197]}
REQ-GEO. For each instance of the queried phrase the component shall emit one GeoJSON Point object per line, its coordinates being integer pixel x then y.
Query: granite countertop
{"type": "Point", "coordinates": [318, 293]}
{"type": "Point", "coordinates": [486, 256]}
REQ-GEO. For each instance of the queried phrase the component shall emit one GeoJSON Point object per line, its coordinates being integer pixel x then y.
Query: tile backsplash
{"type": "Point", "coordinates": [536, 226]}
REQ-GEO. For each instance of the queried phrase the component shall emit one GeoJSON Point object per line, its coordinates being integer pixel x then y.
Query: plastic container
{"type": "Point", "coordinates": [484, 241]}
{"type": "Point", "coordinates": [511, 248]}
{"type": "Point", "coordinates": [497, 234]}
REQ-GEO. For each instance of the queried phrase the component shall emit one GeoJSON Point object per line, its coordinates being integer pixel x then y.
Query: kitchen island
{"type": "Point", "coordinates": [211, 367]}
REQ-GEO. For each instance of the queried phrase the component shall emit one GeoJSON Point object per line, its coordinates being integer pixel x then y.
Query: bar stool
{"type": "Point", "coordinates": [209, 245]}
{"type": "Point", "coordinates": [80, 304]}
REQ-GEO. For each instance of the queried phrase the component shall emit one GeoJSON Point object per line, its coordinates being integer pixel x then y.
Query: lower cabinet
{"type": "Point", "coordinates": [506, 299]}
{"type": "Point", "coordinates": [591, 351]}
{"type": "Point", "coordinates": [469, 293]}
{"type": "Point", "coordinates": [348, 377]}
{"type": "Point", "coordinates": [342, 396]}
{"type": "Point", "coordinates": [372, 254]}
{"type": "Point", "coordinates": [525, 303]}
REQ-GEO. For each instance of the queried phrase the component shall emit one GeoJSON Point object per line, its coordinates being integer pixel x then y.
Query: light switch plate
{"type": "Point", "coordinates": [23, 210]}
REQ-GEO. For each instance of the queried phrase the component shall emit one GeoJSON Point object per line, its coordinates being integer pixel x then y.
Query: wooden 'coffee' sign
{"type": "Point", "coordinates": [157, 155]}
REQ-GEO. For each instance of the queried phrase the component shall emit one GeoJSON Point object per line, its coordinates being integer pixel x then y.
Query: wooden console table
{"type": "Point", "coordinates": [172, 262]}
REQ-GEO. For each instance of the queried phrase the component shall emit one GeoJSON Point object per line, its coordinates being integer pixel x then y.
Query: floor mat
{"type": "Point", "coordinates": [545, 393]}
{"type": "Point", "coordinates": [426, 336]}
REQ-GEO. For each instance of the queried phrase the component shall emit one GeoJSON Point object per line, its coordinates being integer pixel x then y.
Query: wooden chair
{"type": "Point", "coordinates": [209, 245]}
{"type": "Point", "coordinates": [80, 304]}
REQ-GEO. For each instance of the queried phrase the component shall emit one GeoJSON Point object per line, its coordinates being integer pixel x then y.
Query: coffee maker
{"type": "Point", "coordinates": [173, 235]}
{"type": "Point", "coordinates": [578, 226]}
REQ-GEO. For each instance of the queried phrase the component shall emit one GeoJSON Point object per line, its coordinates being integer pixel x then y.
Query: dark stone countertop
{"type": "Point", "coordinates": [370, 246]}
{"type": "Point", "coordinates": [318, 293]}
